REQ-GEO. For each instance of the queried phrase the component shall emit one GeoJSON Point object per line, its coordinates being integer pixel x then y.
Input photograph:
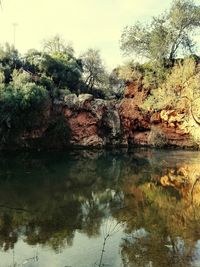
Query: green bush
{"type": "Point", "coordinates": [181, 83]}
{"type": "Point", "coordinates": [21, 106]}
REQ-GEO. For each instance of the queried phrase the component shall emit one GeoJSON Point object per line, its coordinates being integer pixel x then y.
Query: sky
{"type": "Point", "coordinates": [85, 24]}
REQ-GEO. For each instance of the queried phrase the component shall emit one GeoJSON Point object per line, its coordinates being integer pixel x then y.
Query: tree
{"type": "Point", "coordinates": [94, 72]}
{"type": "Point", "coordinates": [56, 69]}
{"type": "Point", "coordinates": [167, 35]}
{"type": "Point", "coordinates": [59, 63]}
{"type": "Point", "coordinates": [56, 45]}
{"type": "Point", "coordinates": [9, 60]}
{"type": "Point", "coordinates": [22, 106]}
{"type": "Point", "coordinates": [65, 71]}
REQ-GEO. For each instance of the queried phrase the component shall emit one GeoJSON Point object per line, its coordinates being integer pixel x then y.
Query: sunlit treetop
{"type": "Point", "coordinates": [167, 36]}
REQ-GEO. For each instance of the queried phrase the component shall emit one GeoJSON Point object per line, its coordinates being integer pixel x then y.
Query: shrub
{"type": "Point", "coordinates": [181, 84]}
{"type": "Point", "coordinates": [21, 106]}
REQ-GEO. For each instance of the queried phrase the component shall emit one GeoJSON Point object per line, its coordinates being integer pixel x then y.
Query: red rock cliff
{"type": "Point", "coordinates": [97, 123]}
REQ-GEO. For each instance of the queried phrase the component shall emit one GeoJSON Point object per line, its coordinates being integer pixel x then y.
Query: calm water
{"type": "Point", "coordinates": [107, 208]}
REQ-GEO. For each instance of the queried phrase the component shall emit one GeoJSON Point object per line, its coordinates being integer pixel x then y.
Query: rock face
{"type": "Point", "coordinates": [93, 122]}
{"type": "Point", "coordinates": [157, 129]}
{"type": "Point", "coordinates": [90, 122]}
{"type": "Point", "coordinates": [135, 125]}
{"type": "Point", "coordinates": [97, 122]}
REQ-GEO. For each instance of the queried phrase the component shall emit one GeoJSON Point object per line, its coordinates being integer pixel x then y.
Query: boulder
{"type": "Point", "coordinates": [71, 101]}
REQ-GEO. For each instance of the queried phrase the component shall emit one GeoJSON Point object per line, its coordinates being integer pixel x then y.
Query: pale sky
{"type": "Point", "coordinates": [84, 23]}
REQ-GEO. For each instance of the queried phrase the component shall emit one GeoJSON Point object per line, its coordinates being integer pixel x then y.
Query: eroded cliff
{"type": "Point", "coordinates": [90, 122]}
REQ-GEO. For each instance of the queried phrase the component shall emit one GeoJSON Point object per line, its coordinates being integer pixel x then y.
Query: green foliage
{"type": "Point", "coordinates": [20, 78]}
{"type": "Point", "coordinates": [9, 60]}
{"type": "Point", "coordinates": [181, 86]}
{"type": "Point", "coordinates": [116, 84]}
{"type": "Point", "coordinates": [149, 73]}
{"type": "Point", "coordinates": [166, 36]}
{"type": "Point", "coordinates": [30, 83]}
{"type": "Point", "coordinates": [58, 63]}
{"type": "Point", "coordinates": [32, 61]}
{"type": "Point", "coordinates": [154, 75]}
{"type": "Point", "coordinates": [56, 68]}
{"type": "Point", "coordinates": [94, 75]}
{"type": "Point", "coordinates": [2, 77]}
{"type": "Point", "coordinates": [64, 70]}
{"type": "Point", "coordinates": [180, 93]}
{"type": "Point", "coordinates": [21, 106]}
{"type": "Point", "coordinates": [55, 45]}
{"type": "Point", "coordinates": [130, 71]}
{"type": "Point", "coordinates": [47, 83]}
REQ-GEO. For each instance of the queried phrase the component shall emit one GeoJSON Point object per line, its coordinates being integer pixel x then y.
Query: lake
{"type": "Point", "coordinates": [136, 207]}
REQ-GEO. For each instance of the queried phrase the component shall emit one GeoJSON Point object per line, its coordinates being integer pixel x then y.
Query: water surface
{"type": "Point", "coordinates": [100, 208]}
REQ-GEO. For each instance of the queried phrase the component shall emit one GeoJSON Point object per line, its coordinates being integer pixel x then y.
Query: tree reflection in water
{"type": "Point", "coordinates": [154, 196]}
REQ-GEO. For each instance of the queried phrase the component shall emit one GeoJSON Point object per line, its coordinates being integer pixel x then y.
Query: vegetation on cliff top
{"type": "Point", "coordinates": [163, 42]}
{"type": "Point", "coordinates": [30, 83]}
{"type": "Point", "coordinates": [166, 36]}
{"type": "Point", "coordinates": [170, 74]}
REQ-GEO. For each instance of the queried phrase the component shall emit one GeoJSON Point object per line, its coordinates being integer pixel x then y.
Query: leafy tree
{"type": "Point", "coordinates": [2, 77]}
{"type": "Point", "coordinates": [63, 69]}
{"type": "Point", "coordinates": [148, 75]}
{"type": "Point", "coordinates": [22, 103]}
{"type": "Point", "coordinates": [94, 74]}
{"type": "Point", "coordinates": [32, 61]}
{"type": "Point", "coordinates": [59, 63]}
{"type": "Point", "coordinates": [130, 70]}
{"type": "Point", "coordinates": [57, 69]}
{"type": "Point", "coordinates": [181, 85]}
{"type": "Point", "coordinates": [166, 36]}
{"type": "Point", "coordinates": [56, 45]}
{"type": "Point", "coordinates": [116, 83]}
{"type": "Point", "coordinates": [9, 60]}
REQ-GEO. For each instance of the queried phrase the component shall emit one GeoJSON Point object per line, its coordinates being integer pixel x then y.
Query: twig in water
{"type": "Point", "coordinates": [103, 250]}
{"type": "Point", "coordinates": [109, 232]}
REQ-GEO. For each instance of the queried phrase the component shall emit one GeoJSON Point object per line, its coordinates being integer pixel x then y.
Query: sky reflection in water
{"type": "Point", "coordinates": [57, 209]}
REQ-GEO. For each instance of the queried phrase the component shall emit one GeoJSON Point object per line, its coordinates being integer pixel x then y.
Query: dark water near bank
{"type": "Point", "coordinates": [106, 208]}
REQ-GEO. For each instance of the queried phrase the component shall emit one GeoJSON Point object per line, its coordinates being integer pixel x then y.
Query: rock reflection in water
{"type": "Point", "coordinates": [146, 201]}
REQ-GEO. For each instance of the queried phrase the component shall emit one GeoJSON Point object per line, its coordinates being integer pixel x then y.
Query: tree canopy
{"type": "Point", "coordinates": [94, 71]}
{"type": "Point", "coordinates": [56, 45]}
{"type": "Point", "coordinates": [167, 36]}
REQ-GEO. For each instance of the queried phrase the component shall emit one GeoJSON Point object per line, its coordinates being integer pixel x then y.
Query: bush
{"type": "Point", "coordinates": [130, 71]}
{"type": "Point", "coordinates": [21, 106]}
{"type": "Point", "coordinates": [181, 84]}
{"type": "Point", "coordinates": [151, 74]}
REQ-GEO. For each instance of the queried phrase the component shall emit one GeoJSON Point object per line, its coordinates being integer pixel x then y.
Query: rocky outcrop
{"type": "Point", "coordinates": [135, 124]}
{"type": "Point", "coordinates": [153, 129]}
{"type": "Point", "coordinates": [88, 122]}
{"type": "Point", "coordinates": [97, 122]}
{"type": "Point", "coordinates": [93, 122]}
